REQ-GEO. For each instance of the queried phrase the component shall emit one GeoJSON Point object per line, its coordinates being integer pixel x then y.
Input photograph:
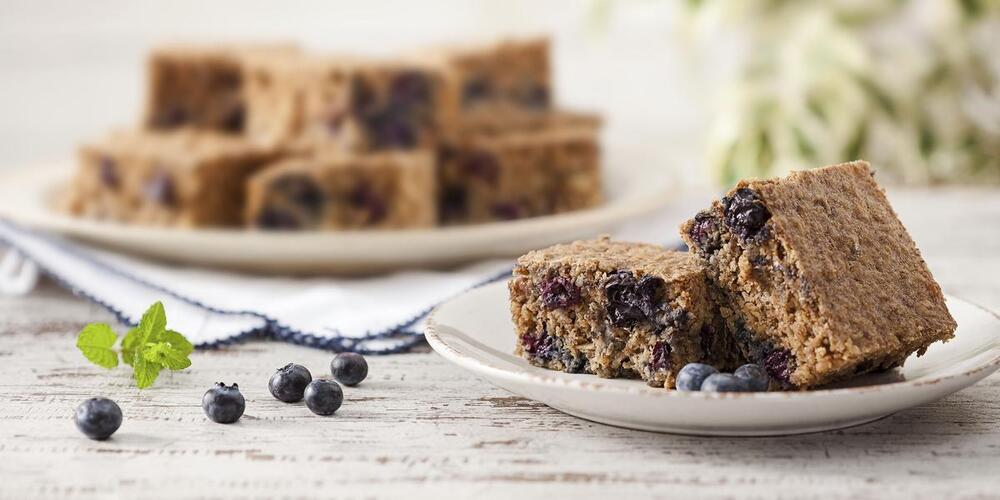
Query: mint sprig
{"type": "Point", "coordinates": [148, 348]}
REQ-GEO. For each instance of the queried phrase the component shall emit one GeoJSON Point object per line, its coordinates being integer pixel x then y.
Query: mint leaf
{"type": "Point", "coordinates": [145, 372]}
{"type": "Point", "coordinates": [149, 347]}
{"type": "Point", "coordinates": [96, 342]}
{"type": "Point", "coordinates": [162, 353]}
{"type": "Point", "coordinates": [177, 341]}
{"type": "Point", "coordinates": [130, 345]}
{"type": "Point", "coordinates": [153, 322]}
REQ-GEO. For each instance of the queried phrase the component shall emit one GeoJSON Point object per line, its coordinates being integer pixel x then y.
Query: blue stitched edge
{"type": "Point", "coordinates": [271, 329]}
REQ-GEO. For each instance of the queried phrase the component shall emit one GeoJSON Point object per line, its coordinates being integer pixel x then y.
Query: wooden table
{"type": "Point", "coordinates": [422, 427]}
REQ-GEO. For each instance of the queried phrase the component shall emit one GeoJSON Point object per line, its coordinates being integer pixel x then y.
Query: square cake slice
{"type": "Point", "coordinates": [371, 191]}
{"type": "Point", "coordinates": [201, 85]}
{"type": "Point", "coordinates": [181, 177]}
{"type": "Point", "coordinates": [523, 166]}
{"type": "Point", "coordinates": [616, 310]}
{"type": "Point", "coordinates": [820, 279]}
{"type": "Point", "coordinates": [351, 104]}
{"type": "Point", "coordinates": [511, 73]}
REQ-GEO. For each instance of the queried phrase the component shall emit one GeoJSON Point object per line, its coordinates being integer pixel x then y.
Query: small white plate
{"type": "Point", "coordinates": [27, 197]}
{"type": "Point", "coordinates": [475, 332]}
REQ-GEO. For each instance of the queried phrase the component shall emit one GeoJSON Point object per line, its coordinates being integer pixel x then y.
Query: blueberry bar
{"type": "Point", "coordinates": [349, 104]}
{"type": "Point", "coordinates": [819, 279]}
{"type": "Point", "coordinates": [181, 177]}
{"type": "Point", "coordinates": [511, 73]}
{"type": "Point", "coordinates": [378, 190]}
{"type": "Point", "coordinates": [201, 86]}
{"type": "Point", "coordinates": [531, 165]}
{"type": "Point", "coordinates": [616, 310]}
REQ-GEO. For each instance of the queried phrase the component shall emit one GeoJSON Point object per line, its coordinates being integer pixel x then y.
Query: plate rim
{"type": "Point", "coordinates": [558, 379]}
{"type": "Point", "coordinates": [615, 209]}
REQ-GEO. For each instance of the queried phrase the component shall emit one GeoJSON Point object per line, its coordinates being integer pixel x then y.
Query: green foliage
{"type": "Point", "coordinates": [148, 348]}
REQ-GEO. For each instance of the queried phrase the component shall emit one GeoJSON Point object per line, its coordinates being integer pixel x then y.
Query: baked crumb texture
{"type": "Point", "coordinates": [819, 279]}
{"type": "Point", "coordinates": [377, 191]}
{"type": "Point", "coordinates": [181, 178]}
{"type": "Point", "coordinates": [616, 310]}
{"type": "Point", "coordinates": [537, 164]}
{"type": "Point", "coordinates": [201, 86]}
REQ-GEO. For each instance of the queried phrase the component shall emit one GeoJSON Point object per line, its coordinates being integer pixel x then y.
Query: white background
{"type": "Point", "coordinates": [71, 69]}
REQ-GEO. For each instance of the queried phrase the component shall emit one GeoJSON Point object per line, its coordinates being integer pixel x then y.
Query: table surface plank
{"type": "Point", "coordinates": [422, 427]}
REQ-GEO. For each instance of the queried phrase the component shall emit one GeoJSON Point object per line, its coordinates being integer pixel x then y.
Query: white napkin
{"type": "Point", "coordinates": [369, 315]}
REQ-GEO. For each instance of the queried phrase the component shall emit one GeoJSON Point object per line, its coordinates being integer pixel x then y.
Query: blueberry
{"type": "Point", "coordinates": [109, 172]}
{"type": "Point", "coordinates": [234, 118]}
{"type": "Point", "coordinates": [661, 357]}
{"type": "Point", "coordinates": [288, 382]}
{"type": "Point", "coordinates": [724, 382]}
{"type": "Point", "coordinates": [632, 300]}
{"type": "Point", "coordinates": [559, 292]}
{"type": "Point", "coordinates": [160, 188]}
{"type": "Point", "coordinates": [481, 165]}
{"type": "Point", "coordinates": [693, 375]}
{"type": "Point", "coordinates": [349, 368]}
{"type": "Point", "coordinates": [323, 397]}
{"type": "Point", "coordinates": [757, 379]}
{"type": "Point", "coordinates": [98, 418]}
{"type": "Point", "coordinates": [780, 364]}
{"type": "Point", "coordinates": [453, 204]}
{"type": "Point", "coordinates": [745, 214]}
{"type": "Point", "coordinates": [704, 233]}
{"type": "Point", "coordinates": [507, 211]}
{"type": "Point", "coordinates": [300, 190]}
{"type": "Point", "coordinates": [391, 130]}
{"type": "Point", "coordinates": [476, 90]}
{"type": "Point", "coordinates": [365, 198]}
{"type": "Point", "coordinates": [223, 404]}
{"type": "Point", "coordinates": [409, 89]}
{"type": "Point", "coordinates": [276, 218]}
{"type": "Point", "coordinates": [536, 97]}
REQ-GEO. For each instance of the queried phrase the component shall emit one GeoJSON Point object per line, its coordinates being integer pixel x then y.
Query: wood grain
{"type": "Point", "coordinates": [420, 427]}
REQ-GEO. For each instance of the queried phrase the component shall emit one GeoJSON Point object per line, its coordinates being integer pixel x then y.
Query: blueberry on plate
{"type": "Point", "coordinates": [755, 376]}
{"type": "Point", "coordinates": [724, 382]}
{"type": "Point", "coordinates": [323, 397]}
{"type": "Point", "coordinates": [98, 418]}
{"type": "Point", "coordinates": [223, 404]}
{"type": "Point", "coordinates": [288, 383]}
{"type": "Point", "coordinates": [693, 375]}
{"type": "Point", "coordinates": [349, 368]}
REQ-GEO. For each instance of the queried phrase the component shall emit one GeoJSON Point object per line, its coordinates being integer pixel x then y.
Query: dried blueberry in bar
{"type": "Point", "coordinates": [616, 310]}
{"type": "Point", "coordinates": [349, 104]}
{"type": "Point", "coordinates": [201, 85]}
{"type": "Point", "coordinates": [818, 278]}
{"type": "Point", "coordinates": [339, 191]}
{"type": "Point", "coordinates": [519, 165]}
{"type": "Point", "coordinates": [181, 177]}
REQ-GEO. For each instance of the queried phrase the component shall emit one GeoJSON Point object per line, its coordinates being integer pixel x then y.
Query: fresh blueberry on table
{"type": "Point", "coordinates": [349, 368]}
{"type": "Point", "coordinates": [756, 377]}
{"type": "Point", "coordinates": [98, 418]}
{"type": "Point", "coordinates": [693, 375]}
{"type": "Point", "coordinates": [323, 397]}
{"type": "Point", "coordinates": [724, 382]}
{"type": "Point", "coordinates": [288, 383]}
{"type": "Point", "coordinates": [224, 404]}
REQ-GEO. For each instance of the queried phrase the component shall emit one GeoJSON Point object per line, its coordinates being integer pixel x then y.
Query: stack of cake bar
{"type": "Point", "coordinates": [275, 137]}
{"type": "Point", "coordinates": [812, 277]}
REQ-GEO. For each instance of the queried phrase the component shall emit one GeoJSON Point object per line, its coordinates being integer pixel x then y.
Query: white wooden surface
{"type": "Point", "coordinates": [419, 427]}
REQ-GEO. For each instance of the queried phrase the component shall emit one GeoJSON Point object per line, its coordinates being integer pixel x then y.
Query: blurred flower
{"type": "Point", "coordinates": [912, 86]}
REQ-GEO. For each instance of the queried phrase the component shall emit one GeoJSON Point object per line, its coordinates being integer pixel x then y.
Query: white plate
{"type": "Point", "coordinates": [26, 197]}
{"type": "Point", "coordinates": [475, 332]}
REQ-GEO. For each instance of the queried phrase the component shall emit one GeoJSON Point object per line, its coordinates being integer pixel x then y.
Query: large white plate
{"type": "Point", "coordinates": [475, 332]}
{"type": "Point", "coordinates": [26, 197]}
